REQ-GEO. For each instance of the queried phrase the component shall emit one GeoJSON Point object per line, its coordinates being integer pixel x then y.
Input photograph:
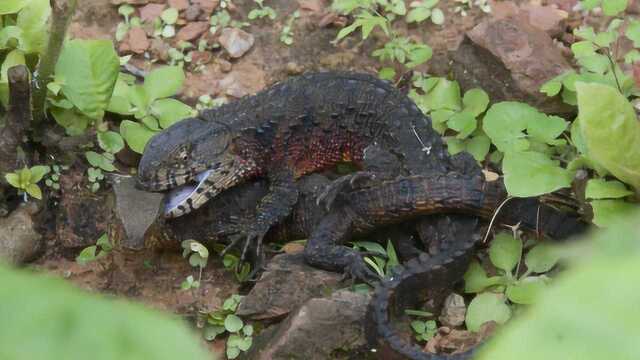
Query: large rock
{"type": "Point", "coordinates": [19, 240]}
{"type": "Point", "coordinates": [316, 330]}
{"type": "Point", "coordinates": [510, 59]}
{"type": "Point", "coordinates": [286, 284]}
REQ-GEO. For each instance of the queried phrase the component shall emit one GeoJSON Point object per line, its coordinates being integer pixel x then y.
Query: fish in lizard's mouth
{"type": "Point", "coordinates": [180, 199]}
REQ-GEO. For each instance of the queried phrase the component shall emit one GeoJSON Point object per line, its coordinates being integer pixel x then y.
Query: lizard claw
{"type": "Point", "coordinates": [358, 270]}
{"type": "Point", "coordinates": [331, 191]}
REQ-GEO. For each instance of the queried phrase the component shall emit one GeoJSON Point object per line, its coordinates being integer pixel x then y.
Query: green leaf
{"type": "Point", "coordinates": [80, 325]}
{"type": "Point", "coordinates": [475, 101]}
{"type": "Point", "coordinates": [530, 173]}
{"type": "Point", "coordinates": [478, 146]}
{"type": "Point", "coordinates": [34, 191]}
{"type": "Point", "coordinates": [110, 141]}
{"type": "Point", "coordinates": [87, 255]}
{"type": "Point", "coordinates": [232, 352]}
{"type": "Point", "coordinates": [541, 258]}
{"type": "Point", "coordinates": [603, 189]}
{"type": "Point", "coordinates": [73, 122]}
{"type": "Point", "coordinates": [526, 291]}
{"type": "Point", "coordinates": [484, 308]}
{"type": "Point", "coordinates": [464, 123]}
{"type": "Point", "coordinates": [418, 55]}
{"type": "Point", "coordinates": [614, 7]}
{"type": "Point", "coordinates": [445, 95]}
{"type": "Point", "coordinates": [15, 57]}
{"type": "Point", "coordinates": [233, 323]}
{"type": "Point", "coordinates": [345, 31]}
{"type": "Point", "coordinates": [505, 251]}
{"type": "Point", "coordinates": [11, 6]}
{"type": "Point", "coordinates": [551, 87]}
{"type": "Point", "coordinates": [8, 35]}
{"type": "Point", "coordinates": [505, 122]}
{"type": "Point", "coordinates": [247, 330]}
{"type": "Point", "coordinates": [211, 331]}
{"type": "Point", "coordinates": [33, 22]}
{"type": "Point", "coordinates": [419, 326]}
{"type": "Point", "coordinates": [371, 247]}
{"type": "Point", "coordinates": [476, 280]}
{"type": "Point", "coordinates": [170, 111]}
{"type": "Point", "coordinates": [437, 16]}
{"type": "Point", "coordinates": [583, 48]}
{"type": "Point", "coordinates": [633, 32]}
{"type": "Point", "coordinates": [420, 313]}
{"type": "Point", "coordinates": [607, 212]}
{"type": "Point", "coordinates": [418, 15]}
{"type": "Point", "coordinates": [136, 135]}
{"type": "Point", "coordinates": [169, 16]}
{"type": "Point", "coordinates": [89, 69]}
{"type": "Point", "coordinates": [163, 82]}
{"type": "Point", "coordinates": [38, 172]}
{"type": "Point", "coordinates": [547, 128]}
{"type": "Point", "coordinates": [387, 73]}
{"type": "Point", "coordinates": [13, 179]}
{"type": "Point", "coordinates": [610, 130]}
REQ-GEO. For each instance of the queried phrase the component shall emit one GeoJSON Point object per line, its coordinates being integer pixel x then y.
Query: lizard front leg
{"type": "Point", "coordinates": [271, 210]}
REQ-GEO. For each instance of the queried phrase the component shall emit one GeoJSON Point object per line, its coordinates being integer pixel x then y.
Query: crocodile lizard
{"type": "Point", "coordinates": [300, 126]}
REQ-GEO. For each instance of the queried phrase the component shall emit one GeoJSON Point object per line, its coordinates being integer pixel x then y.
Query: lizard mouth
{"type": "Point", "coordinates": [180, 198]}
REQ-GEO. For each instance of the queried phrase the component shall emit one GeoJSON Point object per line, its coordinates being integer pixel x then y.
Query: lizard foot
{"type": "Point", "coordinates": [254, 237]}
{"type": "Point", "coordinates": [331, 191]}
{"type": "Point", "coordinates": [357, 269]}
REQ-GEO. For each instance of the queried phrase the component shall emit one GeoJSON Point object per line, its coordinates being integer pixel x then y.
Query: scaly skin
{"type": "Point", "coordinates": [296, 127]}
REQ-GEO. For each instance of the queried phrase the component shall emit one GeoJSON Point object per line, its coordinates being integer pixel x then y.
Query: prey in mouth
{"type": "Point", "coordinates": [193, 161]}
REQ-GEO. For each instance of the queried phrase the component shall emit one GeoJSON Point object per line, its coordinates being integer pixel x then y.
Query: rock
{"type": "Point", "coordinates": [452, 341]}
{"type": "Point", "coordinates": [179, 4]}
{"type": "Point", "coordinates": [19, 240]}
{"type": "Point", "coordinates": [192, 31]}
{"type": "Point", "coordinates": [286, 284]}
{"type": "Point", "coordinates": [135, 210]}
{"type": "Point", "coordinates": [150, 12]}
{"type": "Point", "coordinates": [192, 12]}
{"type": "Point", "coordinates": [206, 5]}
{"type": "Point", "coordinates": [236, 41]}
{"type": "Point", "coordinates": [244, 79]}
{"type": "Point", "coordinates": [316, 330]}
{"type": "Point", "coordinates": [201, 57]}
{"type": "Point", "coordinates": [547, 18]}
{"type": "Point", "coordinates": [82, 215]}
{"type": "Point", "coordinates": [510, 59]}
{"type": "Point", "coordinates": [453, 311]}
{"type": "Point", "coordinates": [294, 69]}
{"type": "Point", "coordinates": [137, 40]}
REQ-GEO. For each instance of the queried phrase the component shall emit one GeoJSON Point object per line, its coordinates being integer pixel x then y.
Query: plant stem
{"type": "Point", "coordinates": [18, 120]}
{"type": "Point", "coordinates": [61, 14]}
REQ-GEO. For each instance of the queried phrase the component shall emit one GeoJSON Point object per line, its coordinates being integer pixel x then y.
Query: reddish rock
{"type": "Point", "coordinates": [159, 49]}
{"type": "Point", "coordinates": [206, 5]}
{"type": "Point", "coordinates": [192, 13]}
{"type": "Point", "coordinates": [314, 6]}
{"type": "Point", "coordinates": [510, 59]}
{"type": "Point", "coordinates": [547, 18]}
{"type": "Point", "coordinates": [225, 66]}
{"type": "Point", "coordinates": [149, 12]}
{"type": "Point", "coordinates": [201, 57]}
{"type": "Point", "coordinates": [192, 31]}
{"type": "Point", "coordinates": [236, 41]}
{"type": "Point", "coordinates": [137, 40]}
{"type": "Point", "coordinates": [179, 4]}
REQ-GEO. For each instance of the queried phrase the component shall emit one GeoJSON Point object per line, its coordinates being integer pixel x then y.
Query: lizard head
{"type": "Point", "coordinates": [192, 159]}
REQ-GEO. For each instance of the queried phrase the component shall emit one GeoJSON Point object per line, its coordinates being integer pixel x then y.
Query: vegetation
{"type": "Point", "coordinates": [224, 320]}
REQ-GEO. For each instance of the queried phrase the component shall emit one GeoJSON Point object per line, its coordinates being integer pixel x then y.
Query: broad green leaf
{"type": "Point", "coordinates": [547, 128]}
{"type": "Point", "coordinates": [163, 82]}
{"type": "Point", "coordinates": [418, 14]}
{"type": "Point", "coordinates": [38, 172]}
{"type": "Point", "coordinates": [11, 6]}
{"type": "Point", "coordinates": [387, 73]}
{"type": "Point", "coordinates": [437, 16]}
{"type": "Point", "coordinates": [607, 212]}
{"type": "Point", "coordinates": [611, 130]}
{"type": "Point", "coordinates": [196, 260]}
{"type": "Point", "coordinates": [454, 145]}
{"type": "Point", "coordinates": [211, 331]}
{"type": "Point", "coordinates": [90, 70]}
{"type": "Point", "coordinates": [445, 95]}
{"type": "Point", "coordinates": [136, 135]}
{"type": "Point", "coordinates": [541, 258]}
{"type": "Point", "coordinates": [475, 101]}
{"type": "Point", "coordinates": [585, 32]}
{"type": "Point", "coordinates": [614, 7]}
{"type": "Point", "coordinates": [73, 122]}
{"type": "Point", "coordinates": [232, 352]}
{"type": "Point", "coordinates": [476, 280]}
{"type": "Point", "coordinates": [419, 326]}
{"type": "Point", "coordinates": [120, 102]}
{"type": "Point", "coordinates": [505, 122]}
{"type": "Point", "coordinates": [13, 179]}
{"type": "Point", "coordinates": [110, 141]}
{"type": "Point", "coordinates": [551, 87]}
{"type": "Point", "coordinates": [530, 173]}
{"type": "Point", "coordinates": [633, 32]}
{"type": "Point", "coordinates": [484, 308]}
{"type": "Point", "coordinates": [169, 16]}
{"type": "Point", "coordinates": [505, 251]}
{"type": "Point", "coordinates": [583, 48]}
{"type": "Point", "coordinates": [345, 31]}
{"type": "Point", "coordinates": [34, 191]}
{"type": "Point", "coordinates": [87, 255]}
{"type": "Point", "coordinates": [590, 4]}
{"type": "Point", "coordinates": [170, 111]}
{"type": "Point", "coordinates": [15, 57]}
{"type": "Point", "coordinates": [603, 189]}
{"type": "Point", "coordinates": [233, 323]}
{"type": "Point", "coordinates": [596, 63]}
{"type": "Point", "coordinates": [526, 291]}
{"type": "Point", "coordinates": [419, 55]}
{"type": "Point", "coordinates": [464, 123]}
{"type": "Point", "coordinates": [33, 22]}
{"type": "Point", "coordinates": [68, 323]}
{"type": "Point", "coordinates": [478, 146]}
{"type": "Point", "coordinates": [567, 320]}
{"type": "Point", "coordinates": [11, 36]}
{"type": "Point", "coordinates": [439, 119]}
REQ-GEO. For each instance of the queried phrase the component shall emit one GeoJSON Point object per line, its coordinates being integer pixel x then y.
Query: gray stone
{"type": "Point", "coordinates": [286, 284]}
{"type": "Point", "coordinates": [510, 59]}
{"type": "Point", "coordinates": [316, 330]}
{"type": "Point", "coordinates": [236, 41]}
{"type": "Point", "coordinates": [135, 209]}
{"type": "Point", "coordinates": [19, 240]}
{"type": "Point", "coordinates": [453, 311]}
